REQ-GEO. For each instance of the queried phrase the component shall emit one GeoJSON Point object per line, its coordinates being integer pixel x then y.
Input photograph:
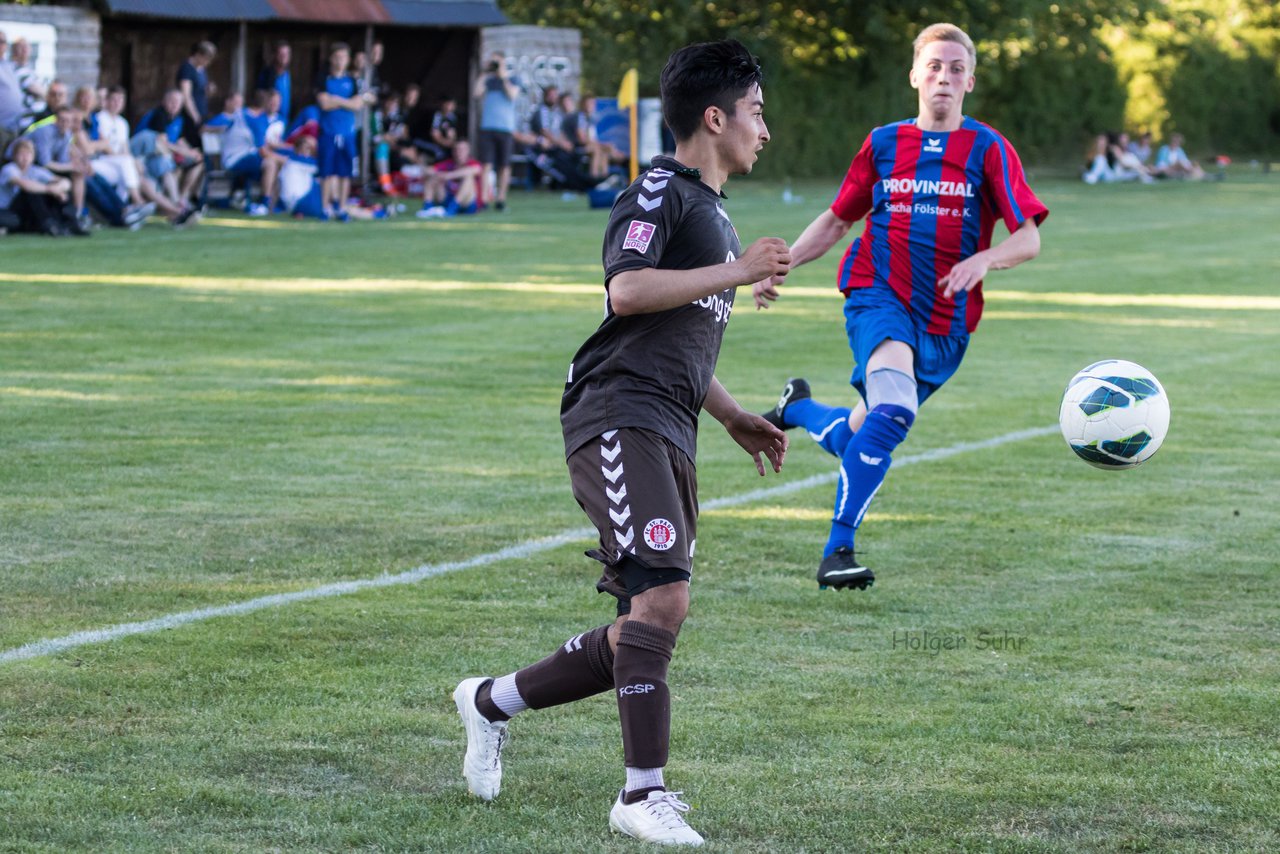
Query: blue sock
{"type": "Point", "coordinates": [863, 467]}
{"type": "Point", "coordinates": [826, 425]}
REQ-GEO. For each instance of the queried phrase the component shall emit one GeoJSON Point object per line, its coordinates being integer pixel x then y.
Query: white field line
{"type": "Point", "coordinates": [50, 646]}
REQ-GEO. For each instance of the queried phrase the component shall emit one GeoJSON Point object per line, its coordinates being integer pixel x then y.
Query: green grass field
{"type": "Point", "coordinates": [199, 419]}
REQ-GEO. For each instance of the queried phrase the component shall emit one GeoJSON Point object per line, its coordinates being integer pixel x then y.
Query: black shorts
{"type": "Point", "coordinates": [495, 147]}
{"type": "Point", "coordinates": [641, 493]}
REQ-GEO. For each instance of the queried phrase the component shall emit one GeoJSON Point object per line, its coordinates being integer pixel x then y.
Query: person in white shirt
{"type": "Point", "coordinates": [114, 163]}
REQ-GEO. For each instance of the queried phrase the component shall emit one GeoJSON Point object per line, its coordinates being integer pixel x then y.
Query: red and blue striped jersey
{"type": "Point", "coordinates": [931, 200]}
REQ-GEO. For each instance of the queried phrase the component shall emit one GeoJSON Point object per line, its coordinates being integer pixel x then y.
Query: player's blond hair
{"type": "Point", "coordinates": [945, 33]}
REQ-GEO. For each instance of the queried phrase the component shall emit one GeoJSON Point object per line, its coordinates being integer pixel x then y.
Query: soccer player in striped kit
{"type": "Point", "coordinates": [932, 189]}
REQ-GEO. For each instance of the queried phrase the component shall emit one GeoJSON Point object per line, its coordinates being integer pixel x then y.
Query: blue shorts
{"type": "Point", "coordinates": [312, 204]}
{"type": "Point", "coordinates": [336, 156]}
{"type": "Point", "coordinates": [144, 145]}
{"type": "Point", "coordinates": [873, 315]}
{"type": "Point", "coordinates": [452, 208]}
{"type": "Point", "coordinates": [249, 165]}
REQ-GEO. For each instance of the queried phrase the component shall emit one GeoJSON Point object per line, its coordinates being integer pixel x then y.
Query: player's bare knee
{"type": "Point", "coordinates": [664, 605]}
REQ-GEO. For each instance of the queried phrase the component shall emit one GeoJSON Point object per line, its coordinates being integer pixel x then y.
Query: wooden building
{"type": "Point", "coordinates": [432, 43]}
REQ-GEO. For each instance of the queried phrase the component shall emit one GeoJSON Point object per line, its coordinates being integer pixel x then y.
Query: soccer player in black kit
{"type": "Point", "coordinates": [630, 415]}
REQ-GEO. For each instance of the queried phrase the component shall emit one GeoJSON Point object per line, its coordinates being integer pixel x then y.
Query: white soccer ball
{"type": "Point", "coordinates": [1114, 414]}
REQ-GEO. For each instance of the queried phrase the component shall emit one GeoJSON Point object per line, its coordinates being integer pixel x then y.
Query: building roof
{"type": "Point", "coordinates": [409, 13]}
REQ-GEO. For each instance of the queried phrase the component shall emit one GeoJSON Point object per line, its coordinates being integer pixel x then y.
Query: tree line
{"type": "Point", "coordinates": [1050, 75]}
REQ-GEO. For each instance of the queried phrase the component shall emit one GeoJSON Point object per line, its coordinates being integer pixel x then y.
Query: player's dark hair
{"type": "Point", "coordinates": [704, 75]}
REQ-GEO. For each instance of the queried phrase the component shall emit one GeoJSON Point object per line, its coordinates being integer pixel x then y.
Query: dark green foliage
{"type": "Point", "coordinates": [1050, 76]}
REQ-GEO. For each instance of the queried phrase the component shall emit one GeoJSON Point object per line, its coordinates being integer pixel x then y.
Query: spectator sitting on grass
{"type": "Point", "coordinates": [300, 192]}
{"type": "Point", "coordinates": [37, 196]}
{"type": "Point", "coordinates": [1124, 162]}
{"type": "Point", "coordinates": [160, 142]}
{"type": "Point", "coordinates": [112, 161]}
{"type": "Point", "coordinates": [454, 186]}
{"type": "Point", "coordinates": [1173, 161]}
{"type": "Point", "coordinates": [56, 96]}
{"type": "Point", "coordinates": [1141, 148]}
{"type": "Point", "coordinates": [56, 151]}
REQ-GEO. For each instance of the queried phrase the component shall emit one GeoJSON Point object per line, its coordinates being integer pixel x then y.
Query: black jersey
{"type": "Point", "coordinates": [654, 370]}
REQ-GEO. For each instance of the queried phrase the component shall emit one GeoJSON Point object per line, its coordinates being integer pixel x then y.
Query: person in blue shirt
{"type": "Point", "coordinates": [232, 104]}
{"type": "Point", "coordinates": [161, 143]}
{"type": "Point", "coordinates": [338, 98]}
{"type": "Point", "coordinates": [247, 151]}
{"type": "Point", "coordinates": [276, 76]}
{"type": "Point", "coordinates": [497, 93]}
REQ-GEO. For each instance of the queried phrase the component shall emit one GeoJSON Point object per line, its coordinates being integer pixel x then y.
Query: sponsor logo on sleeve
{"type": "Point", "coordinates": [639, 234]}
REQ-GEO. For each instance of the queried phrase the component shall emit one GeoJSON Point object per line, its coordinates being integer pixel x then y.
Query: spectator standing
{"type": "Point", "coordinates": [338, 99]}
{"type": "Point", "coordinates": [497, 94]}
{"type": "Point", "coordinates": [33, 88]}
{"type": "Point", "coordinates": [12, 105]}
{"type": "Point", "coordinates": [193, 83]}
{"type": "Point", "coordinates": [275, 76]}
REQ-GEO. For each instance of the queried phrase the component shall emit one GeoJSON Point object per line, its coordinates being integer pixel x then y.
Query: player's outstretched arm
{"type": "Point", "coordinates": [650, 289]}
{"type": "Point", "coordinates": [825, 231]}
{"type": "Point", "coordinates": [1022, 245]}
{"type": "Point", "coordinates": [756, 436]}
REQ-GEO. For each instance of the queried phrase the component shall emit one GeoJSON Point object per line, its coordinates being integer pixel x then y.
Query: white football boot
{"type": "Point", "coordinates": [482, 765]}
{"type": "Point", "coordinates": [658, 818]}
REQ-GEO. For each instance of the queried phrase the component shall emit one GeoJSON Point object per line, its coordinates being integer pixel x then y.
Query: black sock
{"type": "Point", "coordinates": [581, 667]}
{"type": "Point", "coordinates": [644, 702]}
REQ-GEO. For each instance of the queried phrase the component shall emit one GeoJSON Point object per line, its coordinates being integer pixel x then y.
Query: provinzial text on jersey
{"type": "Point", "coordinates": [931, 188]}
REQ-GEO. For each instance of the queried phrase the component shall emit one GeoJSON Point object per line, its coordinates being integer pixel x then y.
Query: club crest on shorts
{"type": "Point", "coordinates": [638, 236]}
{"type": "Point", "coordinates": [659, 535]}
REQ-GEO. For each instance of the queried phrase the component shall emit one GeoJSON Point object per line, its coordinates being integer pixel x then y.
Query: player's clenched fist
{"type": "Point", "coordinates": [768, 256]}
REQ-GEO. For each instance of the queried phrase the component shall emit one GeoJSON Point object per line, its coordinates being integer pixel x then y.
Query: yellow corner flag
{"type": "Point", "coordinates": [629, 92]}
{"type": "Point", "coordinates": [629, 100]}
